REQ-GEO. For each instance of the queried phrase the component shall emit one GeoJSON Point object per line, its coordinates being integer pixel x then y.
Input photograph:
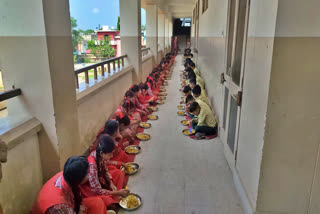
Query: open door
{"type": "Point", "coordinates": [232, 78]}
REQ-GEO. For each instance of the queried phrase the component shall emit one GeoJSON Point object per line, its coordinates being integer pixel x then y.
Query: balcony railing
{"type": "Point", "coordinates": [10, 94]}
{"type": "Point", "coordinates": [145, 51]}
{"type": "Point", "coordinates": [104, 66]}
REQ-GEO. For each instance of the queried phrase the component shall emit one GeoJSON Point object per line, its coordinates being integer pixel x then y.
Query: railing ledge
{"type": "Point", "coordinates": [103, 83]}
{"type": "Point", "coordinates": [10, 94]}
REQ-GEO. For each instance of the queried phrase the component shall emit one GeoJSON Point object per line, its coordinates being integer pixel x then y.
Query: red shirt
{"type": "Point", "coordinates": [56, 191]}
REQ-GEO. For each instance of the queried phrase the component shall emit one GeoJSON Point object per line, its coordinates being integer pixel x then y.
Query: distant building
{"type": "Point", "coordinates": [83, 46]}
{"type": "Point", "coordinates": [113, 36]}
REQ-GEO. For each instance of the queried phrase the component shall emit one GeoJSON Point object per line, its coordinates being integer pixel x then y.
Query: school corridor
{"type": "Point", "coordinates": [178, 174]}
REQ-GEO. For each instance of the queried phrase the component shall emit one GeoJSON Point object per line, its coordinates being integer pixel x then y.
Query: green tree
{"type": "Point", "coordinates": [143, 27]}
{"type": "Point", "coordinates": [76, 38]}
{"type": "Point", "coordinates": [118, 23]}
{"type": "Point", "coordinates": [89, 31]}
{"type": "Point", "coordinates": [91, 45]}
{"type": "Point", "coordinates": [103, 49]}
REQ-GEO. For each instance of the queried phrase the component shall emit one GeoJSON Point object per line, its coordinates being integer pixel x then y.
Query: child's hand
{"type": "Point", "coordinates": [124, 192]}
{"type": "Point", "coordinates": [125, 144]}
{"type": "Point", "coordinates": [124, 165]}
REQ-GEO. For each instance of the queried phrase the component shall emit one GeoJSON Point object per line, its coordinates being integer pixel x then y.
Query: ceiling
{"type": "Point", "coordinates": [173, 8]}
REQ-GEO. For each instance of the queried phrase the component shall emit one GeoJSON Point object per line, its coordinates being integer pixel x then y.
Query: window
{"type": "Point", "coordinates": [205, 5]}
{"type": "Point", "coordinates": [185, 22]}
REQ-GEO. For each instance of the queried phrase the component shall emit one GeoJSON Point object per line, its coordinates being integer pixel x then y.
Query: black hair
{"type": "Point", "coordinates": [128, 105]}
{"type": "Point", "coordinates": [189, 98]}
{"type": "Point", "coordinates": [144, 86]}
{"type": "Point", "coordinates": [189, 60]}
{"type": "Point", "coordinates": [191, 54]}
{"type": "Point", "coordinates": [135, 88]}
{"type": "Point", "coordinates": [129, 94]}
{"type": "Point", "coordinates": [193, 81]}
{"type": "Point", "coordinates": [193, 106]}
{"type": "Point", "coordinates": [111, 127]}
{"type": "Point", "coordinates": [105, 145]}
{"type": "Point", "coordinates": [196, 90]}
{"type": "Point", "coordinates": [149, 80]}
{"type": "Point", "coordinates": [192, 75]}
{"type": "Point", "coordinates": [186, 89]}
{"type": "Point", "coordinates": [123, 120]}
{"type": "Point", "coordinates": [74, 171]}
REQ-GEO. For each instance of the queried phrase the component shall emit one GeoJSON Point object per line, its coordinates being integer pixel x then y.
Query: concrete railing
{"type": "Point", "coordinates": [145, 51]}
{"type": "Point", "coordinates": [101, 67]}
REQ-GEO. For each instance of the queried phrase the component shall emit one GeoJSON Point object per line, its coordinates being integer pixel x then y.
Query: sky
{"type": "Point", "coordinates": [90, 14]}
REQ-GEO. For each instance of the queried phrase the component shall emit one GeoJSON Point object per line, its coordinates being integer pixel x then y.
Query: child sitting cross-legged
{"type": "Point", "coordinates": [205, 122]}
{"type": "Point", "coordinates": [199, 95]}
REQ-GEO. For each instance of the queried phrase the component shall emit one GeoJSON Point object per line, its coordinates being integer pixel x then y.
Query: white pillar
{"type": "Point", "coordinates": [161, 32]}
{"type": "Point", "coordinates": [170, 34]}
{"type": "Point", "coordinates": [130, 33]}
{"type": "Point", "coordinates": [152, 30]}
{"type": "Point", "coordinates": [36, 56]}
{"type": "Point", "coordinates": [166, 34]}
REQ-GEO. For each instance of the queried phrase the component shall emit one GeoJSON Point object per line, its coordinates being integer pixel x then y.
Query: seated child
{"type": "Point", "coordinates": [144, 107]}
{"type": "Point", "coordinates": [124, 128]}
{"type": "Point", "coordinates": [193, 83]}
{"type": "Point", "coordinates": [197, 93]}
{"type": "Point", "coordinates": [143, 97]}
{"type": "Point", "coordinates": [190, 99]}
{"type": "Point", "coordinates": [128, 108]}
{"type": "Point", "coordinates": [196, 70]}
{"type": "Point", "coordinates": [120, 157]}
{"type": "Point", "coordinates": [101, 183]}
{"type": "Point", "coordinates": [205, 122]}
{"type": "Point", "coordinates": [129, 95]}
{"type": "Point", "coordinates": [61, 194]}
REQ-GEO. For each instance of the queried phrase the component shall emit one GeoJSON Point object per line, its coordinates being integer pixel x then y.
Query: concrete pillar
{"type": "Point", "coordinates": [292, 138]}
{"type": "Point", "coordinates": [170, 34]}
{"type": "Point", "coordinates": [36, 56]}
{"type": "Point", "coordinates": [166, 33]}
{"type": "Point", "coordinates": [130, 22]}
{"type": "Point", "coordinates": [161, 32]}
{"type": "Point", "coordinates": [152, 30]}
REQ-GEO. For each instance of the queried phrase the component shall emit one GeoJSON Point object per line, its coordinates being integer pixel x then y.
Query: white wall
{"type": "Point", "coordinates": [212, 31]}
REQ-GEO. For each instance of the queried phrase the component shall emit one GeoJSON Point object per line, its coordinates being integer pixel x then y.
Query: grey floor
{"type": "Point", "coordinates": [178, 174]}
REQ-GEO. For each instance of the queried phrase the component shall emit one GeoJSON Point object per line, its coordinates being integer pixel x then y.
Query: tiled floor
{"type": "Point", "coordinates": [179, 175]}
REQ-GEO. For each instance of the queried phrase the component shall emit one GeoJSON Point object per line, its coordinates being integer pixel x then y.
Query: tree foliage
{"type": "Point", "coordinates": [76, 37]}
{"type": "Point", "coordinates": [118, 23]}
{"type": "Point", "coordinates": [89, 31]}
{"type": "Point", "coordinates": [102, 49]}
{"type": "Point", "coordinates": [91, 45]}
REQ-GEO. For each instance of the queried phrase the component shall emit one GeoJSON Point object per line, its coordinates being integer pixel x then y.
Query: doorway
{"type": "Point", "coordinates": [238, 17]}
